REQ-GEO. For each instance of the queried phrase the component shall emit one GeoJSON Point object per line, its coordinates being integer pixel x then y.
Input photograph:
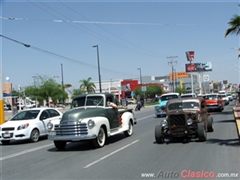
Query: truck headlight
{"type": "Point", "coordinates": [189, 122]}
{"type": "Point", "coordinates": [91, 123]}
{"type": "Point", "coordinates": [49, 125]}
{"type": "Point", "coordinates": [164, 122]}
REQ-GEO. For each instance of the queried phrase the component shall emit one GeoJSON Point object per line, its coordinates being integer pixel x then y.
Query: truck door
{"type": "Point", "coordinates": [113, 117]}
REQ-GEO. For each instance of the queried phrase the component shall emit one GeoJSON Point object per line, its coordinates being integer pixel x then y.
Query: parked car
{"type": "Point", "coordinates": [214, 102]}
{"type": "Point", "coordinates": [7, 107]}
{"type": "Point", "coordinates": [186, 118]}
{"type": "Point", "coordinates": [28, 124]}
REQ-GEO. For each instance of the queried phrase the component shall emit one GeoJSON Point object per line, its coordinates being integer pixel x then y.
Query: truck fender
{"type": "Point", "coordinates": [99, 121]}
{"type": "Point", "coordinates": [126, 117]}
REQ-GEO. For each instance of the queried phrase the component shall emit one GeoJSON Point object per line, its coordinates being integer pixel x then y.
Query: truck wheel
{"type": "Point", "coordinates": [129, 131]}
{"type": "Point", "coordinates": [60, 144]}
{"type": "Point", "coordinates": [5, 142]}
{"type": "Point", "coordinates": [202, 134]}
{"type": "Point", "coordinates": [34, 137]}
{"type": "Point", "coordinates": [210, 125]}
{"type": "Point", "coordinates": [159, 137]}
{"type": "Point", "coordinates": [100, 139]}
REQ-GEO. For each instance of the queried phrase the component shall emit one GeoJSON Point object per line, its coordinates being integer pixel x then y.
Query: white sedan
{"type": "Point", "coordinates": [28, 124]}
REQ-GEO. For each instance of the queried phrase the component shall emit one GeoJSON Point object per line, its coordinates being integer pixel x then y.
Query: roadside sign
{"type": "Point", "coordinates": [144, 88]}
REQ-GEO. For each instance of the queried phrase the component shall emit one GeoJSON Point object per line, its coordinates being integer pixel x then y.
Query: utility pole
{"type": "Point", "coordinates": [62, 84]}
{"type": "Point", "coordinates": [172, 64]}
{"type": "Point", "coordinates": [34, 77]}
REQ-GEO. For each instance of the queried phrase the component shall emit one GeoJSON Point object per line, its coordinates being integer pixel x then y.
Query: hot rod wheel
{"type": "Point", "coordinates": [159, 137]}
{"type": "Point", "coordinates": [202, 134]}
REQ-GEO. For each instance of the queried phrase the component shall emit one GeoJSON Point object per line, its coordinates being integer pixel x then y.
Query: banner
{"type": "Point", "coordinates": [199, 67]}
{"type": "Point", "coordinates": [190, 55]}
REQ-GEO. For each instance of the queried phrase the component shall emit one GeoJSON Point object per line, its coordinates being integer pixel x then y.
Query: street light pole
{"type": "Point", "coordinates": [99, 76]}
{"type": "Point", "coordinates": [171, 62]}
{"type": "Point", "coordinates": [140, 75]}
{"type": "Point", "coordinates": [2, 115]}
{"type": "Point", "coordinates": [34, 77]}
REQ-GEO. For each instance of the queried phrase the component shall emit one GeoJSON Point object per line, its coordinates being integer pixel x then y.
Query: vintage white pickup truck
{"type": "Point", "coordinates": [90, 118]}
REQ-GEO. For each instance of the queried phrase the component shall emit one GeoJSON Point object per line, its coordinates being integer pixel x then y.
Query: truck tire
{"type": "Point", "coordinates": [34, 137]}
{"type": "Point", "coordinates": [210, 124]}
{"type": "Point", "coordinates": [129, 131]}
{"type": "Point", "coordinates": [159, 137]}
{"type": "Point", "coordinates": [202, 134]}
{"type": "Point", "coordinates": [5, 142]}
{"type": "Point", "coordinates": [100, 139]}
{"type": "Point", "coordinates": [60, 145]}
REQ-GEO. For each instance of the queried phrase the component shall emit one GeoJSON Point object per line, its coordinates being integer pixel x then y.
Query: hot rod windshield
{"type": "Point", "coordinates": [183, 105]}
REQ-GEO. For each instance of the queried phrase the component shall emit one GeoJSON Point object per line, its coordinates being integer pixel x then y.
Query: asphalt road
{"type": "Point", "coordinates": [135, 157]}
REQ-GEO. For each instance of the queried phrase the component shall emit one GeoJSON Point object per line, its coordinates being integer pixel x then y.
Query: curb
{"type": "Point", "coordinates": [236, 114]}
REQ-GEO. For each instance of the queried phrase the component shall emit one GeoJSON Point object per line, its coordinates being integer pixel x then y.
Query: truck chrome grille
{"type": "Point", "coordinates": [70, 128]}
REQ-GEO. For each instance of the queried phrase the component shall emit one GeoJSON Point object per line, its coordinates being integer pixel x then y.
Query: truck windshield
{"type": "Point", "coordinates": [94, 101]}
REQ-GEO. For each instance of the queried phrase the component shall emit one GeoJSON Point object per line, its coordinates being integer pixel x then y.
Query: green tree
{"type": "Point", "coordinates": [180, 90]}
{"type": "Point", "coordinates": [76, 92]}
{"type": "Point", "coordinates": [234, 24]}
{"type": "Point", "coordinates": [45, 88]}
{"type": "Point", "coordinates": [151, 92]}
{"type": "Point", "coordinates": [87, 86]}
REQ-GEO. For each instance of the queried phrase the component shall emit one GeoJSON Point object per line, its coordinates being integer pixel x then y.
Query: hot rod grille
{"type": "Point", "coordinates": [177, 120]}
{"type": "Point", "coordinates": [71, 129]}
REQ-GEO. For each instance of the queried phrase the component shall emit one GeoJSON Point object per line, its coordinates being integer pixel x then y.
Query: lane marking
{"type": "Point", "coordinates": [24, 152]}
{"type": "Point", "coordinates": [114, 152]}
{"type": "Point", "coordinates": [140, 119]}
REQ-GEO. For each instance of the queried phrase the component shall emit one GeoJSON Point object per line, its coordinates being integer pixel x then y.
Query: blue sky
{"type": "Point", "coordinates": [129, 34]}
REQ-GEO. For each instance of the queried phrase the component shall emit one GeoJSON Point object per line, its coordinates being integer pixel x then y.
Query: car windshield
{"type": "Point", "coordinates": [26, 115]}
{"type": "Point", "coordinates": [183, 105]}
{"type": "Point", "coordinates": [166, 98]}
{"type": "Point", "coordinates": [210, 97]}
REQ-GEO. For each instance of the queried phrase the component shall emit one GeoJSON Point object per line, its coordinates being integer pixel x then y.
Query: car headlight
{"type": "Point", "coordinates": [91, 123]}
{"type": "Point", "coordinates": [164, 122]}
{"type": "Point", "coordinates": [49, 125]}
{"type": "Point", "coordinates": [189, 122]}
{"type": "Point", "coordinates": [23, 126]}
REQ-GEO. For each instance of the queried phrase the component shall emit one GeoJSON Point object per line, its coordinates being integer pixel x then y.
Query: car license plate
{"type": "Point", "coordinates": [6, 134]}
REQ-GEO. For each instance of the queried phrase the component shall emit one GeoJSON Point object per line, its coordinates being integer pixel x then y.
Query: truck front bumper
{"type": "Point", "coordinates": [72, 138]}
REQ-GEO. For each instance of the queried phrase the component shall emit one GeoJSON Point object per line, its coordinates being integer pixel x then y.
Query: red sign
{"type": "Point", "coordinates": [190, 67]}
{"type": "Point", "coordinates": [190, 55]}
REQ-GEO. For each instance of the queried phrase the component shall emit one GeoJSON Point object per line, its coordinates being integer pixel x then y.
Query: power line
{"type": "Point", "coordinates": [60, 56]}
{"type": "Point", "coordinates": [90, 32]}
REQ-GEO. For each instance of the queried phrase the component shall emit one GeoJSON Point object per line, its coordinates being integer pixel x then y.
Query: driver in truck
{"type": "Point", "coordinates": [111, 104]}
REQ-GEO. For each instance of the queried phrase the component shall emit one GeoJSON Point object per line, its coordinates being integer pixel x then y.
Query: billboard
{"type": "Point", "coordinates": [199, 67]}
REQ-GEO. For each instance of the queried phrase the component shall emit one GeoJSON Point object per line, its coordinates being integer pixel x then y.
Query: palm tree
{"type": "Point", "coordinates": [235, 27]}
{"type": "Point", "coordinates": [87, 85]}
